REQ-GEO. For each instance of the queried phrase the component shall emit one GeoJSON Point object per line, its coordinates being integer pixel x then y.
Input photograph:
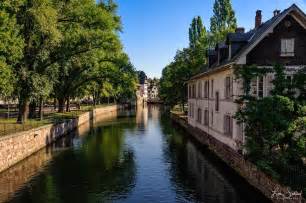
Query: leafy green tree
{"type": "Point", "coordinates": [275, 126]}
{"type": "Point", "coordinates": [197, 33]}
{"type": "Point", "coordinates": [223, 20]}
{"type": "Point", "coordinates": [11, 45]}
{"type": "Point", "coordinates": [186, 63]}
{"type": "Point", "coordinates": [141, 77]}
{"type": "Point", "coordinates": [89, 48]}
{"type": "Point", "coordinates": [38, 22]}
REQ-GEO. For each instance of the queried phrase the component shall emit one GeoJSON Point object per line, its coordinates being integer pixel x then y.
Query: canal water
{"type": "Point", "coordinates": [141, 158]}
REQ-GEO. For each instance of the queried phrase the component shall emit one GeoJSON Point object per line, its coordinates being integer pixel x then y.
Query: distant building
{"type": "Point", "coordinates": [142, 93]}
{"type": "Point", "coordinates": [153, 90]}
{"type": "Point", "coordinates": [212, 94]}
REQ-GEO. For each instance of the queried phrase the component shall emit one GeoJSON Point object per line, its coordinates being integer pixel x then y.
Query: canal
{"type": "Point", "coordinates": [140, 158]}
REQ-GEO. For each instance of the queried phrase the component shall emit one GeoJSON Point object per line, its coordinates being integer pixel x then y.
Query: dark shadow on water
{"type": "Point", "coordinates": [199, 174]}
{"type": "Point", "coordinates": [123, 160]}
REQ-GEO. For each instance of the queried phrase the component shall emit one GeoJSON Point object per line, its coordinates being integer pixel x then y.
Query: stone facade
{"type": "Point", "coordinates": [16, 147]}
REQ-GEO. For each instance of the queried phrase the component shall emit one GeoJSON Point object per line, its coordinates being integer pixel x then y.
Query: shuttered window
{"type": "Point", "coordinates": [206, 90]}
{"type": "Point", "coordinates": [212, 88]}
{"type": "Point", "coordinates": [287, 47]}
{"type": "Point", "coordinates": [217, 104]}
{"type": "Point", "coordinates": [228, 87]}
{"type": "Point", "coordinates": [199, 115]}
{"type": "Point", "coordinates": [206, 117]}
{"type": "Point", "coordinates": [228, 125]}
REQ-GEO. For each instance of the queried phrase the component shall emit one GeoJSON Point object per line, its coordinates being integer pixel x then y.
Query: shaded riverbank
{"type": "Point", "coordinates": [135, 159]}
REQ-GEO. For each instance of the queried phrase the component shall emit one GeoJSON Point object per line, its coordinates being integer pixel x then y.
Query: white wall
{"type": "Point", "coordinates": [226, 107]}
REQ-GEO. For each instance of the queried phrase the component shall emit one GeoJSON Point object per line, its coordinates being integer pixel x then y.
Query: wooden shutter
{"type": "Point", "coordinates": [231, 87]}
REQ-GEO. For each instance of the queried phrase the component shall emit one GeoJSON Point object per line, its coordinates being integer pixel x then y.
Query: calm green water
{"type": "Point", "coordinates": [137, 159]}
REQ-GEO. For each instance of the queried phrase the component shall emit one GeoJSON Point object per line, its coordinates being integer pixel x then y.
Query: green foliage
{"type": "Point", "coordinates": [223, 21]}
{"type": "Point", "coordinates": [187, 62]}
{"type": "Point", "coordinates": [275, 126]}
{"type": "Point", "coordinates": [141, 77]}
{"type": "Point", "coordinates": [197, 33]}
{"type": "Point", "coordinates": [11, 45]}
{"type": "Point", "coordinates": [59, 48]}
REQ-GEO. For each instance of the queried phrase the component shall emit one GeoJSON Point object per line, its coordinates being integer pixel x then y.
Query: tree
{"type": "Point", "coordinates": [38, 22]}
{"type": "Point", "coordinates": [197, 33]}
{"type": "Point", "coordinates": [141, 77]}
{"type": "Point", "coordinates": [223, 21]}
{"type": "Point", "coordinates": [186, 63]}
{"type": "Point", "coordinates": [89, 48]}
{"type": "Point", "coordinates": [11, 45]}
{"type": "Point", "coordinates": [275, 126]}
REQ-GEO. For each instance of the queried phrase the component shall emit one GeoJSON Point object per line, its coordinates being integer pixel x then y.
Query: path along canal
{"type": "Point", "coordinates": [136, 159]}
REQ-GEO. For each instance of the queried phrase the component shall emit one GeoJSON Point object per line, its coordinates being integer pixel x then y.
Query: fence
{"type": "Point", "coordinates": [10, 126]}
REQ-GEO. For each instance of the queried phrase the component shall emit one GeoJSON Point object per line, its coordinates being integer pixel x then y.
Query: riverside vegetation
{"type": "Point", "coordinates": [275, 126]}
{"type": "Point", "coordinates": [62, 50]}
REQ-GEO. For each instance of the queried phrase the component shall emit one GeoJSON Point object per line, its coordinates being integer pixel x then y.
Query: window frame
{"type": "Point", "coordinates": [217, 101]}
{"type": "Point", "coordinates": [285, 47]}
{"type": "Point", "coordinates": [206, 117]}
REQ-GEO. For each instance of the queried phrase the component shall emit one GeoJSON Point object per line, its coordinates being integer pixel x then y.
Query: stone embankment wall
{"type": "Point", "coordinates": [246, 169]}
{"type": "Point", "coordinates": [18, 146]}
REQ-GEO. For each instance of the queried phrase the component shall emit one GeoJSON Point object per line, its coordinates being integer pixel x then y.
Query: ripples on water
{"type": "Point", "coordinates": [136, 159]}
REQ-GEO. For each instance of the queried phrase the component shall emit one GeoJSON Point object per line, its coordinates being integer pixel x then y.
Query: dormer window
{"type": "Point", "coordinates": [287, 47]}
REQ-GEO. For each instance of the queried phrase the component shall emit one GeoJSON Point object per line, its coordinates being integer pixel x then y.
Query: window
{"type": "Point", "coordinates": [199, 115]}
{"type": "Point", "coordinates": [206, 90]}
{"type": "Point", "coordinates": [287, 47]}
{"type": "Point", "coordinates": [206, 117]}
{"type": "Point", "coordinates": [257, 87]}
{"type": "Point", "coordinates": [189, 91]}
{"type": "Point", "coordinates": [199, 89]}
{"type": "Point", "coordinates": [212, 118]}
{"type": "Point", "coordinates": [260, 86]}
{"type": "Point", "coordinates": [228, 125]}
{"type": "Point", "coordinates": [217, 102]}
{"type": "Point", "coordinates": [193, 91]}
{"type": "Point", "coordinates": [212, 88]}
{"type": "Point", "coordinates": [191, 110]}
{"type": "Point", "coordinates": [228, 87]}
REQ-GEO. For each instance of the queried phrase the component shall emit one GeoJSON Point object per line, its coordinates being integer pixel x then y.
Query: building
{"type": "Point", "coordinates": [142, 93]}
{"type": "Point", "coordinates": [211, 94]}
{"type": "Point", "coordinates": [153, 93]}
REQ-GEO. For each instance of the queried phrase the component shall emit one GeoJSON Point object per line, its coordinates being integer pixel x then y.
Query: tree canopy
{"type": "Point", "coordinates": [223, 20]}
{"type": "Point", "coordinates": [58, 48]}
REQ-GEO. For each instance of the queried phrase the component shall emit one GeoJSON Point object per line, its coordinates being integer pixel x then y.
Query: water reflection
{"type": "Point", "coordinates": [135, 159]}
{"type": "Point", "coordinates": [198, 175]}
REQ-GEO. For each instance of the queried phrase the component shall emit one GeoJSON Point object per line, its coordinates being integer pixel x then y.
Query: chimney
{"type": "Point", "coordinates": [276, 12]}
{"type": "Point", "coordinates": [258, 18]}
{"type": "Point", "coordinates": [240, 30]}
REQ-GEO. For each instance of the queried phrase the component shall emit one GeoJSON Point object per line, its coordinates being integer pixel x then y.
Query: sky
{"type": "Point", "coordinates": [153, 30]}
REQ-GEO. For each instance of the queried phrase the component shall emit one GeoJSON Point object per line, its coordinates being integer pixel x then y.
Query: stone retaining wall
{"type": "Point", "coordinates": [246, 169]}
{"type": "Point", "coordinates": [18, 146]}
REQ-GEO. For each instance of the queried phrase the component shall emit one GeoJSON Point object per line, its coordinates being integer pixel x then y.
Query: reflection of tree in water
{"type": "Point", "coordinates": [102, 169]}
{"type": "Point", "coordinates": [194, 174]}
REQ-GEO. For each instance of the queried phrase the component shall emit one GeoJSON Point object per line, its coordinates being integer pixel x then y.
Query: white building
{"type": "Point", "coordinates": [211, 94]}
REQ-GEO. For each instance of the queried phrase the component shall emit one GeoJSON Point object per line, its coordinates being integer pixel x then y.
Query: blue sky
{"type": "Point", "coordinates": [154, 29]}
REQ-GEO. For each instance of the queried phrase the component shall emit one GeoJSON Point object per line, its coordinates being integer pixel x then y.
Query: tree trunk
{"type": "Point", "coordinates": [32, 106]}
{"type": "Point", "coordinates": [23, 110]}
{"type": "Point", "coordinates": [94, 98]}
{"type": "Point", "coordinates": [61, 105]}
{"type": "Point", "coordinates": [54, 104]}
{"type": "Point", "coordinates": [68, 105]}
{"type": "Point", "coordinates": [41, 109]}
{"type": "Point", "coordinates": [8, 107]}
